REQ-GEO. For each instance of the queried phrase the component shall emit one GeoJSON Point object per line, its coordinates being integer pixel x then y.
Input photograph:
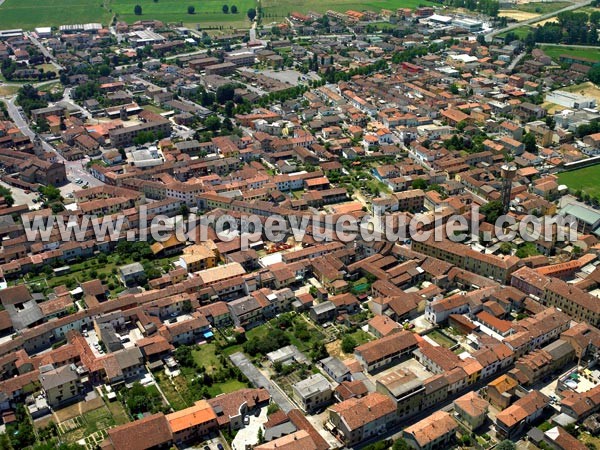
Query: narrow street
{"type": "Point", "coordinates": [242, 362]}
{"type": "Point", "coordinates": [74, 169]}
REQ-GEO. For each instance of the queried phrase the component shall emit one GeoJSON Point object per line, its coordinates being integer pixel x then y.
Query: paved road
{"type": "Point", "coordinates": [44, 51]}
{"type": "Point", "coordinates": [75, 169]}
{"type": "Point", "coordinates": [490, 36]}
{"type": "Point", "coordinates": [259, 380]}
{"type": "Point", "coordinates": [168, 58]}
{"type": "Point", "coordinates": [515, 61]}
{"type": "Point", "coordinates": [396, 431]}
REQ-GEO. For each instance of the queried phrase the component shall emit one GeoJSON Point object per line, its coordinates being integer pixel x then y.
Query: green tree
{"type": "Point", "coordinates": [233, 9]}
{"type": "Point", "coordinates": [187, 307]}
{"type": "Point", "coordinates": [50, 193]}
{"type": "Point", "coordinates": [530, 143]}
{"type": "Point", "coordinates": [594, 74]}
{"type": "Point", "coordinates": [419, 183]}
{"type": "Point", "coordinates": [213, 123]}
{"type": "Point", "coordinates": [400, 444]}
{"type": "Point", "coordinates": [225, 93]}
{"type": "Point", "coordinates": [6, 194]}
{"type": "Point", "coordinates": [183, 354]}
{"type": "Point", "coordinates": [140, 400]}
{"type": "Point", "coordinates": [251, 14]}
{"type": "Point", "coordinates": [137, 10]}
{"type": "Point", "coordinates": [225, 9]}
{"type": "Point", "coordinates": [506, 445]}
{"type": "Point", "coordinates": [191, 10]}
{"type": "Point", "coordinates": [318, 351]}
{"type": "Point", "coordinates": [492, 211]}
{"type": "Point", "coordinates": [348, 344]}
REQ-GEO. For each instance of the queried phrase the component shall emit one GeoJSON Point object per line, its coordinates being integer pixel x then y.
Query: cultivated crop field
{"type": "Point", "coordinates": [208, 13]}
{"type": "Point", "coordinates": [276, 9]}
{"type": "Point", "coordinates": [29, 14]}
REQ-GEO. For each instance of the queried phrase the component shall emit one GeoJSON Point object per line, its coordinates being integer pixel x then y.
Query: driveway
{"type": "Point", "coordinates": [249, 434]}
{"type": "Point", "coordinates": [259, 380]}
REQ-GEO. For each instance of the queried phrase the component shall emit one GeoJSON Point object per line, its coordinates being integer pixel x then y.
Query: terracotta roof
{"type": "Point", "coordinates": [439, 424]}
{"type": "Point", "coordinates": [198, 414]}
{"type": "Point", "coordinates": [358, 412]}
{"type": "Point", "coordinates": [522, 408]}
{"type": "Point", "coordinates": [145, 433]}
{"type": "Point", "coordinates": [378, 349]}
{"type": "Point", "coordinates": [300, 440]}
{"type": "Point", "coordinates": [472, 404]}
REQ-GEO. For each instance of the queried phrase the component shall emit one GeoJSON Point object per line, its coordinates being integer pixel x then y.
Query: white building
{"type": "Point", "coordinates": [571, 100]}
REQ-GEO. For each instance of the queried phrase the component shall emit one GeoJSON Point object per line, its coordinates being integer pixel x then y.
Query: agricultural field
{"type": "Point", "coordinates": [542, 7]}
{"type": "Point", "coordinates": [208, 13]}
{"type": "Point", "coordinates": [554, 52]}
{"type": "Point", "coordinates": [517, 15]}
{"type": "Point", "coordinates": [586, 180]}
{"type": "Point", "coordinates": [277, 9]}
{"type": "Point", "coordinates": [29, 14]}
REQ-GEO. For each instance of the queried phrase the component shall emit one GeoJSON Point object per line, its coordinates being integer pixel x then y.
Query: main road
{"type": "Point", "coordinates": [489, 36]}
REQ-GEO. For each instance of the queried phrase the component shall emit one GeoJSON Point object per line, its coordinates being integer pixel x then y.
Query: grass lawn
{"type": "Point", "coordinates": [542, 8]}
{"type": "Point", "coordinates": [555, 52]}
{"type": "Point", "coordinates": [361, 337]}
{"type": "Point", "coordinates": [208, 12]}
{"type": "Point", "coordinates": [154, 109]}
{"type": "Point", "coordinates": [29, 14]}
{"type": "Point", "coordinates": [441, 339]}
{"type": "Point", "coordinates": [226, 387]}
{"type": "Point", "coordinates": [586, 179]}
{"type": "Point", "coordinates": [520, 32]}
{"type": "Point", "coordinates": [206, 356]}
{"type": "Point", "coordinates": [276, 9]}
{"type": "Point", "coordinates": [10, 89]}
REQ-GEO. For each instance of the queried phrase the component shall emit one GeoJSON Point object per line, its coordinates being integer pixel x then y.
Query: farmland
{"type": "Point", "coordinates": [277, 9]}
{"type": "Point", "coordinates": [208, 13]}
{"type": "Point", "coordinates": [542, 7]}
{"type": "Point", "coordinates": [29, 14]}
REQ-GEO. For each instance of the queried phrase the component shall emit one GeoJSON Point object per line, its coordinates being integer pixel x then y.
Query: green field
{"type": "Point", "coordinates": [208, 12]}
{"type": "Point", "coordinates": [277, 9]}
{"type": "Point", "coordinates": [520, 32]}
{"type": "Point", "coordinates": [586, 180]}
{"type": "Point", "coordinates": [542, 7]}
{"type": "Point", "coordinates": [554, 52]}
{"type": "Point", "coordinates": [29, 14]}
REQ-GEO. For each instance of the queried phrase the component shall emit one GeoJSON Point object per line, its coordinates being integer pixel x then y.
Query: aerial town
{"type": "Point", "coordinates": [330, 225]}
